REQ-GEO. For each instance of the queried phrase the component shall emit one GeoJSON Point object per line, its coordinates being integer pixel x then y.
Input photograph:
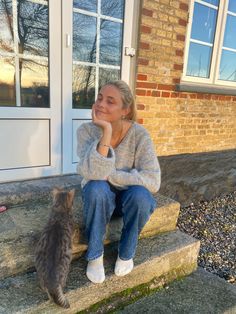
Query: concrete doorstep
{"type": "Point", "coordinates": [158, 260]}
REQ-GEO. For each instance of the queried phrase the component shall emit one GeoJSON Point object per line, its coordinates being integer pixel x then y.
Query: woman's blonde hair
{"type": "Point", "coordinates": [127, 98]}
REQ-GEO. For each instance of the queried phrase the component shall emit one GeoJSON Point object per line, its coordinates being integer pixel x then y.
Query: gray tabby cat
{"type": "Point", "coordinates": [54, 249]}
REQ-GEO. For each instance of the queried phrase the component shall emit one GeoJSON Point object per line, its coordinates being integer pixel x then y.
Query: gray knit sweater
{"type": "Point", "coordinates": [132, 162]}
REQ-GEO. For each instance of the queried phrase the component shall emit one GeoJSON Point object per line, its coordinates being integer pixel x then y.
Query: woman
{"type": "Point", "coordinates": [120, 173]}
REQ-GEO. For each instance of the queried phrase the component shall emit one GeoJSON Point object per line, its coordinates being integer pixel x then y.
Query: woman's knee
{"type": "Point", "coordinates": [96, 189]}
{"type": "Point", "coordinates": [141, 198]}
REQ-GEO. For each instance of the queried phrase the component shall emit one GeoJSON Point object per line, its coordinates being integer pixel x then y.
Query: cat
{"type": "Point", "coordinates": [53, 252]}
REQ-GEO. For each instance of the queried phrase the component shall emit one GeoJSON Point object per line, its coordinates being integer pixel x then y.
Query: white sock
{"type": "Point", "coordinates": [95, 270]}
{"type": "Point", "coordinates": [122, 267]}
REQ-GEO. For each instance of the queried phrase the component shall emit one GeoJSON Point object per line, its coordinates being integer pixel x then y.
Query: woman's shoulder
{"type": "Point", "coordinates": [140, 130]}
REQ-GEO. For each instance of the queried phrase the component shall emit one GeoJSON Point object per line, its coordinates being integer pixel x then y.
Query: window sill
{"type": "Point", "coordinates": [207, 89]}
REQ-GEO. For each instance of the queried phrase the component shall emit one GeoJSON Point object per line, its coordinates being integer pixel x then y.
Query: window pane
{"type": "Point", "coordinates": [228, 66]}
{"type": "Point", "coordinates": [110, 42]}
{"type": "Point", "coordinates": [32, 28]}
{"type": "Point", "coordinates": [114, 8]}
{"type": "Point", "coordinates": [7, 82]}
{"type": "Point", "coordinates": [83, 86]}
{"type": "Point", "coordinates": [214, 2]}
{"type": "Point", "coordinates": [204, 23]}
{"type": "Point", "coordinates": [229, 37]}
{"type": "Point", "coordinates": [199, 60]}
{"type": "Point", "coordinates": [34, 83]}
{"type": "Point", "coordinates": [89, 5]}
{"type": "Point", "coordinates": [84, 38]}
{"type": "Point", "coordinates": [232, 6]}
{"type": "Point", "coordinates": [107, 75]}
{"type": "Point", "coordinates": [6, 27]}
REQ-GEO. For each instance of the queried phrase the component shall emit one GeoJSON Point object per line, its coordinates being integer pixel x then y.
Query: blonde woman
{"type": "Point", "coordinates": [120, 173]}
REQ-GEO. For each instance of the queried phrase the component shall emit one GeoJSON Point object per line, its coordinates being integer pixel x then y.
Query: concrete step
{"type": "Point", "coordinates": [21, 225]}
{"type": "Point", "coordinates": [159, 259]}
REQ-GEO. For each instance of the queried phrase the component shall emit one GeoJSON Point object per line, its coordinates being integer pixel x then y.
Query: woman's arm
{"type": "Point", "coordinates": [92, 165]}
{"type": "Point", "coordinates": [146, 171]}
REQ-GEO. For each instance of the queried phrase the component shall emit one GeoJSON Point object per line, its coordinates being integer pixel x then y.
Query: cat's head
{"type": "Point", "coordinates": [62, 199]}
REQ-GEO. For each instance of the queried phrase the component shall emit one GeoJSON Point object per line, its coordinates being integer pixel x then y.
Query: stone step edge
{"type": "Point", "coordinates": [173, 253]}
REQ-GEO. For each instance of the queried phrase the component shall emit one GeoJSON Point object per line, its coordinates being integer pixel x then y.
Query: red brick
{"type": "Point", "coordinates": [143, 61]}
{"type": "Point", "coordinates": [207, 96]}
{"type": "Point", "coordinates": [233, 98]}
{"type": "Point", "coordinates": [140, 92]}
{"type": "Point", "coordinates": [145, 46]}
{"type": "Point", "coordinates": [176, 80]}
{"type": "Point", "coordinates": [180, 37]}
{"type": "Point", "coordinates": [193, 96]}
{"type": "Point", "coordinates": [140, 106]}
{"type": "Point", "coordinates": [148, 93]}
{"type": "Point", "coordinates": [156, 93]}
{"type": "Point", "coordinates": [200, 96]}
{"type": "Point", "coordinates": [183, 6]}
{"type": "Point", "coordinates": [140, 121]}
{"type": "Point", "coordinates": [178, 67]}
{"type": "Point", "coordinates": [145, 29]}
{"type": "Point", "coordinates": [174, 95]}
{"type": "Point", "coordinates": [165, 87]}
{"type": "Point", "coordinates": [146, 85]}
{"type": "Point", "coordinates": [179, 52]}
{"type": "Point", "coordinates": [141, 77]}
{"type": "Point", "coordinates": [147, 12]}
{"type": "Point", "coordinates": [182, 22]}
{"type": "Point", "coordinates": [165, 94]}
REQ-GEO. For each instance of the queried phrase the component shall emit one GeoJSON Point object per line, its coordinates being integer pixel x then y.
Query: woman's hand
{"type": "Point", "coordinates": [104, 125]}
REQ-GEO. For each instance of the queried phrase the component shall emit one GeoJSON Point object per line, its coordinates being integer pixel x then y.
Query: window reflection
{"type": "Point", "coordinates": [34, 83]}
{"type": "Point", "coordinates": [32, 28]}
{"type": "Point", "coordinates": [214, 2]}
{"type": "Point", "coordinates": [228, 66]}
{"type": "Point", "coordinates": [199, 60]}
{"type": "Point", "coordinates": [114, 8]}
{"type": "Point", "coordinates": [110, 42]}
{"type": "Point", "coordinates": [83, 86]}
{"type": "Point", "coordinates": [232, 6]}
{"type": "Point", "coordinates": [6, 26]}
{"type": "Point", "coordinates": [204, 23]}
{"type": "Point", "coordinates": [7, 82]}
{"type": "Point", "coordinates": [84, 38]}
{"type": "Point", "coordinates": [107, 75]}
{"type": "Point", "coordinates": [89, 5]}
{"type": "Point", "coordinates": [229, 37]}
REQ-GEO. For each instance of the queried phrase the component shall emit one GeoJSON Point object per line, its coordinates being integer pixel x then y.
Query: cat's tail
{"type": "Point", "coordinates": [56, 294]}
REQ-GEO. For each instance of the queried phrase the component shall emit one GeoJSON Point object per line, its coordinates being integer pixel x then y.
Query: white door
{"type": "Point", "coordinates": [54, 56]}
{"type": "Point", "coordinates": [30, 83]}
{"type": "Point", "coordinates": [95, 35]}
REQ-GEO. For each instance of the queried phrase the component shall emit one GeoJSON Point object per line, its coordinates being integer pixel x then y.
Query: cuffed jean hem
{"type": "Point", "coordinates": [88, 259]}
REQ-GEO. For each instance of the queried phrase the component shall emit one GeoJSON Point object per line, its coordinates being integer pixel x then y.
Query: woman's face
{"type": "Point", "coordinates": [108, 105]}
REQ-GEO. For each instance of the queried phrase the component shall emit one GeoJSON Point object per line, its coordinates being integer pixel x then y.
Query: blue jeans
{"type": "Point", "coordinates": [101, 200]}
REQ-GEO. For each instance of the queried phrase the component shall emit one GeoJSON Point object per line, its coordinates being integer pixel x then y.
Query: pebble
{"type": "Point", "coordinates": [214, 224]}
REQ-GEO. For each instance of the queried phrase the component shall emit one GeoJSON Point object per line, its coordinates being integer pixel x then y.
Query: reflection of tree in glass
{"type": "Point", "coordinates": [85, 49]}
{"type": "Point", "coordinates": [32, 33]}
{"type": "Point", "coordinates": [83, 86]}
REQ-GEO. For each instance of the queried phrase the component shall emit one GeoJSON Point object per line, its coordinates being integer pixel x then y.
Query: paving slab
{"type": "Point", "coordinates": [199, 293]}
{"type": "Point", "coordinates": [168, 256]}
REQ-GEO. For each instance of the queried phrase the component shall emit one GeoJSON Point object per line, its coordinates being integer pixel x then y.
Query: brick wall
{"type": "Point", "coordinates": [179, 122]}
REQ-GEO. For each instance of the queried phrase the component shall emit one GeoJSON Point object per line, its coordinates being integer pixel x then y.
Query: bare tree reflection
{"type": "Point", "coordinates": [85, 50]}
{"type": "Point", "coordinates": [32, 37]}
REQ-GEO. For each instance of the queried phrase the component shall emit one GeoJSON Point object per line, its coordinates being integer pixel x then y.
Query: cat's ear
{"type": "Point", "coordinates": [70, 197]}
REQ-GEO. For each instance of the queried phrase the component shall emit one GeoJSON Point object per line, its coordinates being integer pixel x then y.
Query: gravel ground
{"type": "Point", "coordinates": [214, 223]}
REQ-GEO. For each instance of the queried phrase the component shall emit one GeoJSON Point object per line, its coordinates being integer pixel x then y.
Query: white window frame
{"type": "Point", "coordinates": [217, 48]}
